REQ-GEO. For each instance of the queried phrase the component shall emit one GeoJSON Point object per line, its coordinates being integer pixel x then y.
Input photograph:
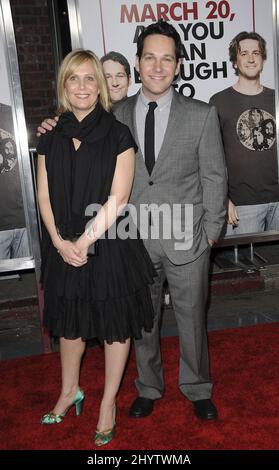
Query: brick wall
{"type": "Point", "coordinates": [36, 64]}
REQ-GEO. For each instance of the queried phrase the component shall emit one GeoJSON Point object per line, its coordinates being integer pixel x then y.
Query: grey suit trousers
{"type": "Point", "coordinates": [188, 284]}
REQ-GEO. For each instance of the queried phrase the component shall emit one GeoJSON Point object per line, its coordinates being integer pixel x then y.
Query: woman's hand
{"type": "Point", "coordinates": [82, 245]}
{"type": "Point", "coordinates": [71, 254]}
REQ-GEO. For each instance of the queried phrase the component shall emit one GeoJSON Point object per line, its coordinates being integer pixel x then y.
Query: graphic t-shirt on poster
{"type": "Point", "coordinates": [11, 204]}
{"type": "Point", "coordinates": [249, 134]}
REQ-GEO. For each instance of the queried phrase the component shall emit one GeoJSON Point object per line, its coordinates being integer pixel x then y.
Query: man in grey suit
{"type": "Point", "coordinates": [188, 172]}
{"type": "Point", "coordinates": [189, 169]}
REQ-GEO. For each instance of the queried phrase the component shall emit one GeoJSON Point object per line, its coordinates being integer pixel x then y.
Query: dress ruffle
{"type": "Point", "coordinates": [108, 298]}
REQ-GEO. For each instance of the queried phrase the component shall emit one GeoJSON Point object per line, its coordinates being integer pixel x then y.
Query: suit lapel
{"type": "Point", "coordinates": [166, 147]}
{"type": "Point", "coordinates": [130, 117]}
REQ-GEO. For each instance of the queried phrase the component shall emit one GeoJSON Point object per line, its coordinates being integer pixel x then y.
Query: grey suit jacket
{"type": "Point", "coordinates": [190, 170]}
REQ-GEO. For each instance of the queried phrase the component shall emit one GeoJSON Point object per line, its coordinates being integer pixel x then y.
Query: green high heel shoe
{"type": "Point", "coordinates": [52, 418]}
{"type": "Point", "coordinates": [102, 438]}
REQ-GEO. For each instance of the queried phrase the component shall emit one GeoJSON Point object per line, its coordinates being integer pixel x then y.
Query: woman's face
{"type": "Point", "coordinates": [82, 89]}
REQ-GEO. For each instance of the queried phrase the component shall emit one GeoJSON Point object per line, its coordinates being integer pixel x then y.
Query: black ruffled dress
{"type": "Point", "coordinates": [109, 297]}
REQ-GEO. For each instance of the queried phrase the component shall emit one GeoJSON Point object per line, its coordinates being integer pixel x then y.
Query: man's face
{"type": "Point", "coordinates": [9, 149]}
{"type": "Point", "coordinates": [249, 61]}
{"type": "Point", "coordinates": [117, 80]}
{"type": "Point", "coordinates": [269, 128]}
{"type": "Point", "coordinates": [256, 116]}
{"type": "Point", "coordinates": [157, 66]}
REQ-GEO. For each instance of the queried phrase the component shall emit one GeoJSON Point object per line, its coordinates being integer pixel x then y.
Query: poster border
{"type": "Point", "coordinates": [20, 135]}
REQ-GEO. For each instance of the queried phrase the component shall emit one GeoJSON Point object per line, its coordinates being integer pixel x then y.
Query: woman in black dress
{"type": "Point", "coordinates": [86, 166]}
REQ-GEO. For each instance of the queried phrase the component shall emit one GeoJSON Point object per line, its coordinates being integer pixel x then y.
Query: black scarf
{"type": "Point", "coordinates": [70, 171]}
{"type": "Point", "coordinates": [93, 127]}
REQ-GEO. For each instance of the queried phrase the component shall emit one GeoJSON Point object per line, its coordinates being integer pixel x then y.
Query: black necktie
{"type": "Point", "coordinates": [149, 152]}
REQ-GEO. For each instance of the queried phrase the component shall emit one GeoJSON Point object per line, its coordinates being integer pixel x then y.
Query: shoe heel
{"type": "Point", "coordinates": [79, 402]}
{"type": "Point", "coordinates": [79, 407]}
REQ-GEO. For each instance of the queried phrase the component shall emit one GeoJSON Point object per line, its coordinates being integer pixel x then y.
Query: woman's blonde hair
{"type": "Point", "coordinates": [73, 60]}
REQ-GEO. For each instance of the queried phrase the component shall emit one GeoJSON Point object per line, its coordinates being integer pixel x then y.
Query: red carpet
{"type": "Point", "coordinates": [245, 372]}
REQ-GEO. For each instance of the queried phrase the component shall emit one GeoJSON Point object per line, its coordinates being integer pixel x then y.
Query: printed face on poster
{"type": "Point", "coordinates": [206, 29]}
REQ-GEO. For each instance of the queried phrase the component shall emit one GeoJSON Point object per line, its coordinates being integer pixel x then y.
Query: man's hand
{"type": "Point", "coordinates": [232, 217]}
{"type": "Point", "coordinates": [211, 242]}
{"type": "Point", "coordinates": [47, 125]}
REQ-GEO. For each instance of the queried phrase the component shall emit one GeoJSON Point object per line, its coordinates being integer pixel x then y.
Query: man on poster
{"type": "Point", "coordinates": [246, 113]}
{"type": "Point", "coordinates": [118, 75]}
{"type": "Point", "coordinates": [13, 233]}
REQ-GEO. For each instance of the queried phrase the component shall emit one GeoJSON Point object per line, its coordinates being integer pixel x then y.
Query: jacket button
{"type": "Point", "coordinates": [151, 183]}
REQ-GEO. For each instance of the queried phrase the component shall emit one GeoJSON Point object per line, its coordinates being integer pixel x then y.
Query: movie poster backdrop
{"type": "Point", "coordinates": [206, 28]}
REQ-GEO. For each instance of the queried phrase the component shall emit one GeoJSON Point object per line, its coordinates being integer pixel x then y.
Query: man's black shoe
{"type": "Point", "coordinates": [141, 407]}
{"type": "Point", "coordinates": [205, 409]}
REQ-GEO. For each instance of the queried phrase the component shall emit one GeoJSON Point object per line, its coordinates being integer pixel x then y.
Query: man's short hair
{"type": "Point", "coordinates": [234, 45]}
{"type": "Point", "coordinates": [117, 57]}
{"type": "Point", "coordinates": [163, 28]}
